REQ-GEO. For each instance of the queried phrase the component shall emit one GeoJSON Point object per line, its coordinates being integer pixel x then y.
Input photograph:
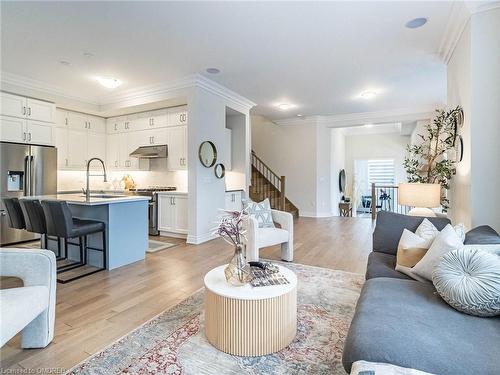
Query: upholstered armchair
{"type": "Point", "coordinates": [31, 308]}
{"type": "Point", "coordinates": [258, 238]}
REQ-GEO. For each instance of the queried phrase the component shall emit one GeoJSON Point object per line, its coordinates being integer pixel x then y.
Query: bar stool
{"type": "Point", "coordinates": [61, 223]}
{"type": "Point", "coordinates": [16, 217]}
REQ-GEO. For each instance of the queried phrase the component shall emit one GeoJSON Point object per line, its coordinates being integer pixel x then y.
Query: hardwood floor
{"type": "Point", "coordinates": [95, 311]}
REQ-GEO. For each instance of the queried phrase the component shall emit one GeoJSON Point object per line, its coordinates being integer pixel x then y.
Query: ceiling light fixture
{"type": "Point", "coordinates": [300, 115]}
{"type": "Point", "coordinates": [109, 82]}
{"type": "Point", "coordinates": [88, 54]}
{"type": "Point", "coordinates": [213, 70]}
{"type": "Point", "coordinates": [64, 62]}
{"type": "Point", "coordinates": [368, 125]}
{"type": "Point", "coordinates": [416, 23]}
{"type": "Point", "coordinates": [284, 106]}
{"type": "Point", "coordinates": [368, 94]}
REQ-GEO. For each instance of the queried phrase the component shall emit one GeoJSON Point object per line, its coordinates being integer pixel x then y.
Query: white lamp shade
{"type": "Point", "coordinates": [419, 195]}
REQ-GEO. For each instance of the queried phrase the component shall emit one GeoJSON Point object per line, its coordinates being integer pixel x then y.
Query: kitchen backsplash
{"type": "Point", "coordinates": [75, 180]}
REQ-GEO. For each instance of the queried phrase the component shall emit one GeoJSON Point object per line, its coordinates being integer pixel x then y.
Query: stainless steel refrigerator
{"type": "Point", "coordinates": [24, 170]}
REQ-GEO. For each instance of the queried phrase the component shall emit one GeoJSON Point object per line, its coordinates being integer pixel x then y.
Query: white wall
{"type": "Point", "coordinates": [337, 164]}
{"type": "Point", "coordinates": [289, 151]}
{"type": "Point", "coordinates": [474, 82]}
{"type": "Point", "coordinates": [373, 146]}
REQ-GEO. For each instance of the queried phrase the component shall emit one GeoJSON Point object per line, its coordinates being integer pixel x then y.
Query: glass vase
{"type": "Point", "coordinates": [238, 271]}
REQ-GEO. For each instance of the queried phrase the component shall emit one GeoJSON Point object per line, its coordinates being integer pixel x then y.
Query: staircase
{"type": "Point", "coordinates": [267, 184]}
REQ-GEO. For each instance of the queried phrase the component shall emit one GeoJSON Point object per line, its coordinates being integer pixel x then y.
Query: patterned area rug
{"type": "Point", "coordinates": [174, 342]}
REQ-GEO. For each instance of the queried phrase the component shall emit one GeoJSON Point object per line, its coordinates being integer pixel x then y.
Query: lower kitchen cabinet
{"type": "Point", "coordinates": [173, 213]}
{"type": "Point", "coordinates": [234, 200]}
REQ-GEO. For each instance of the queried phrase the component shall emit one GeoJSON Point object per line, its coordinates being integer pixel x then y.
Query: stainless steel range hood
{"type": "Point", "coordinates": [150, 152]}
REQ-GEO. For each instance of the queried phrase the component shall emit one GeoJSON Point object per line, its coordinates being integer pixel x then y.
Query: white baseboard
{"type": "Point", "coordinates": [315, 214]}
{"type": "Point", "coordinates": [196, 240]}
{"type": "Point", "coordinates": [174, 235]}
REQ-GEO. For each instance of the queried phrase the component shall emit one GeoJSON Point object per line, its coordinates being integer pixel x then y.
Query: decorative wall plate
{"type": "Point", "coordinates": [220, 170]}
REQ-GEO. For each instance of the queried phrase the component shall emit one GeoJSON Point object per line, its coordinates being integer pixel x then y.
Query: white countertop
{"type": "Point", "coordinates": [80, 199]}
{"type": "Point", "coordinates": [216, 282]}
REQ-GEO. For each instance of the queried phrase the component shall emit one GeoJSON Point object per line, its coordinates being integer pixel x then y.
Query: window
{"type": "Point", "coordinates": [381, 172]}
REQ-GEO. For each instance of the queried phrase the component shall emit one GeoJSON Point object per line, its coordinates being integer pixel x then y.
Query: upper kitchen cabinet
{"type": "Point", "coordinates": [80, 121]}
{"type": "Point", "coordinates": [177, 148]}
{"type": "Point", "coordinates": [177, 116]}
{"type": "Point", "coordinates": [32, 109]}
{"type": "Point", "coordinates": [18, 130]}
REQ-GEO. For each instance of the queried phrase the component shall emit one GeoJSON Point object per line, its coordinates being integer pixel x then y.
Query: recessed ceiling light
{"type": "Point", "coordinates": [368, 125]}
{"type": "Point", "coordinates": [88, 54]}
{"type": "Point", "coordinates": [213, 70]}
{"type": "Point", "coordinates": [64, 62]}
{"type": "Point", "coordinates": [369, 94]}
{"type": "Point", "coordinates": [284, 106]}
{"type": "Point", "coordinates": [416, 23]}
{"type": "Point", "coordinates": [300, 115]}
{"type": "Point", "coordinates": [109, 82]}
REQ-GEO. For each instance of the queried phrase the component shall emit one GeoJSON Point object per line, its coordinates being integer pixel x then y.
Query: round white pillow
{"type": "Point", "coordinates": [468, 279]}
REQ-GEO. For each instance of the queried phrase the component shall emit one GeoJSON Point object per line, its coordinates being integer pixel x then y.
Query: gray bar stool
{"type": "Point", "coordinates": [61, 223]}
{"type": "Point", "coordinates": [15, 213]}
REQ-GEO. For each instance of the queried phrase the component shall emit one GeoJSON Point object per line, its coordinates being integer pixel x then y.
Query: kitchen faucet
{"type": "Point", "coordinates": [87, 192]}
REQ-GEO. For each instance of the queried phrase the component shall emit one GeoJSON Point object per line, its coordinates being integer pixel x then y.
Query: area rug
{"type": "Point", "coordinates": [154, 246]}
{"type": "Point", "coordinates": [174, 342]}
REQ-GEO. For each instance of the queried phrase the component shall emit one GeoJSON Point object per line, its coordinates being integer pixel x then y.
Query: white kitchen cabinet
{"type": "Point", "coordinates": [115, 124]}
{"type": "Point", "coordinates": [40, 111]}
{"type": "Point", "coordinates": [13, 129]}
{"type": "Point", "coordinates": [77, 149]}
{"type": "Point", "coordinates": [113, 151]}
{"type": "Point", "coordinates": [19, 130]}
{"type": "Point", "coordinates": [173, 213]}
{"type": "Point", "coordinates": [96, 146]}
{"type": "Point", "coordinates": [33, 109]}
{"type": "Point", "coordinates": [61, 143]}
{"type": "Point", "coordinates": [234, 200]}
{"type": "Point", "coordinates": [96, 124]}
{"type": "Point", "coordinates": [177, 148]}
{"type": "Point", "coordinates": [177, 116]}
{"type": "Point", "coordinates": [40, 133]}
{"type": "Point", "coordinates": [13, 105]}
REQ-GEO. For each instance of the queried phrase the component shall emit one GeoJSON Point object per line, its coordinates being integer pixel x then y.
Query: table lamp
{"type": "Point", "coordinates": [422, 197]}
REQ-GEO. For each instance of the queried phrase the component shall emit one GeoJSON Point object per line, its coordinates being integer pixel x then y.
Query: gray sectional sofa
{"type": "Point", "coordinates": [405, 322]}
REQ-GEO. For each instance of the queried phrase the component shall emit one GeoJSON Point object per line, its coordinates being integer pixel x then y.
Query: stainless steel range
{"type": "Point", "coordinates": [153, 204]}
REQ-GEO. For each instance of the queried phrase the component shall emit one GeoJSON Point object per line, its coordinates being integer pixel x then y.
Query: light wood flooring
{"type": "Point", "coordinates": [95, 311]}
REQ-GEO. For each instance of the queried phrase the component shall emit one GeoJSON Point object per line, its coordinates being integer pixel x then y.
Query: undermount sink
{"type": "Point", "coordinates": [105, 196]}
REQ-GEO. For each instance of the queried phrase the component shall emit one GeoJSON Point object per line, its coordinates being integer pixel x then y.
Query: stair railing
{"type": "Point", "coordinates": [385, 198]}
{"type": "Point", "coordinates": [279, 182]}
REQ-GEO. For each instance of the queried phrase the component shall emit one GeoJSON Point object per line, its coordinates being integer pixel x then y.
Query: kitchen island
{"type": "Point", "coordinates": [126, 219]}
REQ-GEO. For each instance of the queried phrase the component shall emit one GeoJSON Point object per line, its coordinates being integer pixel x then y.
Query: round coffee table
{"type": "Point", "coordinates": [250, 321]}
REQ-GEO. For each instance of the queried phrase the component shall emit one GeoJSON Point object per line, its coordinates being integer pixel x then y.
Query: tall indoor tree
{"type": "Point", "coordinates": [433, 159]}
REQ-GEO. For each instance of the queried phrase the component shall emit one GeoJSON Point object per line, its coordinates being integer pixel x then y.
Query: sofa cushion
{"type": "Point", "coordinates": [382, 265]}
{"type": "Point", "coordinates": [271, 236]}
{"type": "Point", "coordinates": [483, 235]}
{"type": "Point", "coordinates": [406, 323]}
{"type": "Point", "coordinates": [390, 226]}
{"type": "Point", "coordinates": [19, 306]}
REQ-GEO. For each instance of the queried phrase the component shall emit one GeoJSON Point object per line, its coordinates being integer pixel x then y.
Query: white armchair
{"type": "Point", "coordinates": [31, 308]}
{"type": "Point", "coordinates": [262, 237]}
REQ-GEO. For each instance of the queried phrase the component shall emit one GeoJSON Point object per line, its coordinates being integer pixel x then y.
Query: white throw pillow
{"type": "Point", "coordinates": [427, 231]}
{"type": "Point", "coordinates": [447, 240]}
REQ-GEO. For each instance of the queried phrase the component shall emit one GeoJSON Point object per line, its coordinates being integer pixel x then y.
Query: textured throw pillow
{"type": "Point", "coordinates": [428, 231]}
{"type": "Point", "coordinates": [447, 240]}
{"type": "Point", "coordinates": [411, 249]}
{"type": "Point", "coordinates": [469, 280]}
{"type": "Point", "coordinates": [260, 211]}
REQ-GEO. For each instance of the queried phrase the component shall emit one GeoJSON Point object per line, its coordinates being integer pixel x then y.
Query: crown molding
{"type": "Point", "coordinates": [354, 119]}
{"type": "Point", "coordinates": [16, 80]}
{"type": "Point", "coordinates": [476, 7]}
{"type": "Point", "coordinates": [457, 21]}
{"type": "Point", "coordinates": [143, 92]}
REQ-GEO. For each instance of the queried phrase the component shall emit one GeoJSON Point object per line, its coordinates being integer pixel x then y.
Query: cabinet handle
{"type": "Point", "coordinates": [153, 140]}
{"type": "Point", "coordinates": [29, 111]}
{"type": "Point", "coordinates": [89, 124]}
{"type": "Point", "coordinates": [66, 121]}
{"type": "Point", "coordinates": [173, 200]}
{"type": "Point", "coordinates": [24, 111]}
{"type": "Point", "coordinates": [29, 137]}
{"type": "Point", "coordinates": [66, 161]}
{"type": "Point", "coordinates": [116, 163]}
{"type": "Point", "coordinates": [115, 128]}
{"type": "Point", "coordinates": [24, 136]}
